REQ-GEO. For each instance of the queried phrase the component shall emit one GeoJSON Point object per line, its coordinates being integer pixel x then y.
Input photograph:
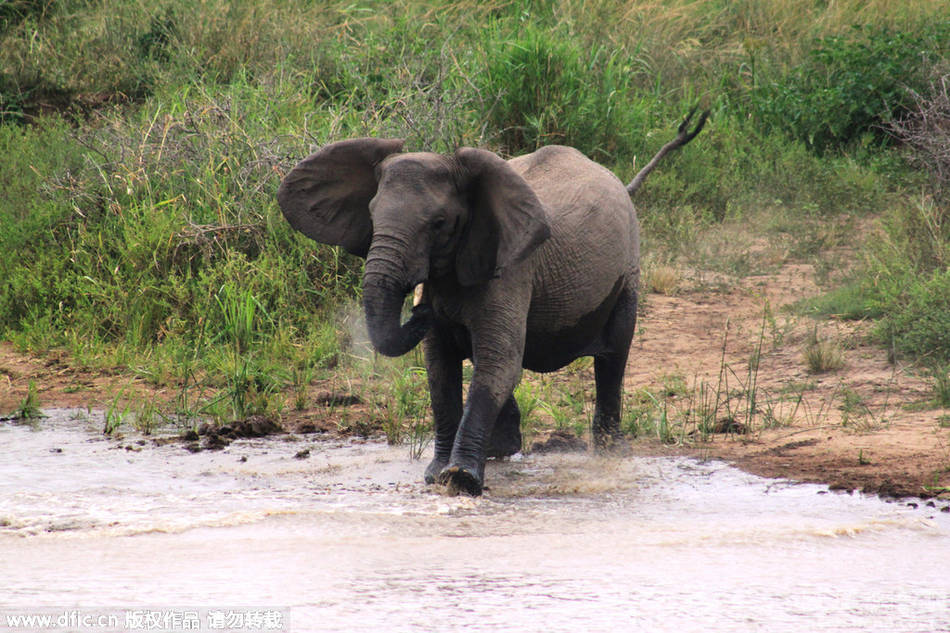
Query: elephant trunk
{"type": "Point", "coordinates": [383, 296]}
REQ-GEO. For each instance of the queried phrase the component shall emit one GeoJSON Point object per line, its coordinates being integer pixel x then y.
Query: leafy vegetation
{"type": "Point", "coordinates": [142, 144]}
{"type": "Point", "coordinates": [851, 84]}
{"type": "Point", "coordinates": [29, 406]}
{"type": "Point", "coordinates": [548, 90]}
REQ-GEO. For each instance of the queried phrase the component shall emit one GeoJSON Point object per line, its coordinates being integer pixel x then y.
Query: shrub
{"type": "Point", "coordinates": [542, 88]}
{"type": "Point", "coordinates": [906, 282]}
{"type": "Point", "coordinates": [911, 273]}
{"type": "Point", "coordinates": [917, 322]}
{"type": "Point", "coordinates": [850, 85]}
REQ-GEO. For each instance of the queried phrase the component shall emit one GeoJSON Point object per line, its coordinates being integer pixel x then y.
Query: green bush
{"type": "Point", "coordinates": [136, 226]}
{"type": "Point", "coordinates": [850, 85]}
{"type": "Point", "coordinates": [543, 88]}
{"type": "Point", "coordinates": [918, 322]}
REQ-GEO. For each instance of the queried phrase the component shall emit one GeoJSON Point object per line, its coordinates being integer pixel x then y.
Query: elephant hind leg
{"type": "Point", "coordinates": [609, 368]}
{"type": "Point", "coordinates": [506, 434]}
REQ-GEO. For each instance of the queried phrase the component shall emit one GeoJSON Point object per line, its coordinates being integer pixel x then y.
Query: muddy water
{"type": "Point", "coordinates": [347, 539]}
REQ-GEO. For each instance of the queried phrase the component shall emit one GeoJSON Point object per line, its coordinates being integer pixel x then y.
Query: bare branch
{"type": "Point", "coordinates": [925, 130]}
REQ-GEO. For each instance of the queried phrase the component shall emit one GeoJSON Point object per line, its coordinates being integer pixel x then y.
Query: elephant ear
{"type": "Point", "coordinates": [507, 221]}
{"type": "Point", "coordinates": [326, 195]}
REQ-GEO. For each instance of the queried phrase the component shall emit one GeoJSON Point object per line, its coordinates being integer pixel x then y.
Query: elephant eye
{"type": "Point", "coordinates": [438, 223]}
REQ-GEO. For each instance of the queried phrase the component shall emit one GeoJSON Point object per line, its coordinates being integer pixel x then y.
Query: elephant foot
{"type": "Point", "coordinates": [613, 444]}
{"type": "Point", "coordinates": [607, 438]}
{"type": "Point", "coordinates": [435, 467]}
{"type": "Point", "coordinates": [458, 479]}
{"type": "Point", "coordinates": [504, 442]}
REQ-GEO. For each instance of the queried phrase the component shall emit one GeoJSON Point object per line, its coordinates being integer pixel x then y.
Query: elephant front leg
{"type": "Point", "coordinates": [444, 369]}
{"type": "Point", "coordinates": [497, 337]}
{"type": "Point", "coordinates": [487, 396]}
{"type": "Point", "coordinates": [466, 469]}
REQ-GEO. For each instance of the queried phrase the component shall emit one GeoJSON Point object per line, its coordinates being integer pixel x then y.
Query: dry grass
{"type": "Point", "coordinates": [823, 355]}
{"type": "Point", "coordinates": [662, 279]}
{"type": "Point", "coordinates": [671, 35]}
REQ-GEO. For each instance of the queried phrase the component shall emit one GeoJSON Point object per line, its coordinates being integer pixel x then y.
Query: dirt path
{"type": "Point", "coordinates": [866, 426]}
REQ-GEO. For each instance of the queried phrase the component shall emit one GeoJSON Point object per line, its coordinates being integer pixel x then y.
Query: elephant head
{"type": "Point", "coordinates": [414, 217]}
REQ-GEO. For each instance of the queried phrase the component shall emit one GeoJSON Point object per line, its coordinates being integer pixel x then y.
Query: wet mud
{"type": "Point", "coordinates": [215, 437]}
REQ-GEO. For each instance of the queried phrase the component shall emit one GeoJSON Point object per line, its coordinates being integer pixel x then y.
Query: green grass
{"type": "Point", "coordinates": [137, 190]}
{"type": "Point", "coordinates": [941, 385]}
{"type": "Point", "coordinates": [115, 414]}
{"type": "Point", "coordinates": [847, 301]}
{"type": "Point", "coordinates": [405, 411]}
{"type": "Point", "coordinates": [29, 407]}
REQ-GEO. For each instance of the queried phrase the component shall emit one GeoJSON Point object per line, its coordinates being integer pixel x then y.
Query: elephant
{"type": "Point", "coordinates": [528, 263]}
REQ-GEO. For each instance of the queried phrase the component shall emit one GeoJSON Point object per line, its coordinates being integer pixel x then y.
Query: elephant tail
{"type": "Point", "coordinates": [683, 136]}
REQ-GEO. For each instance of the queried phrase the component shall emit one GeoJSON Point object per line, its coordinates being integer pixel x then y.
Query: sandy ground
{"type": "Point", "coordinates": [867, 426]}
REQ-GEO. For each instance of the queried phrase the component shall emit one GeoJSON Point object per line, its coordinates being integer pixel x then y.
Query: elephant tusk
{"type": "Point", "coordinates": [417, 295]}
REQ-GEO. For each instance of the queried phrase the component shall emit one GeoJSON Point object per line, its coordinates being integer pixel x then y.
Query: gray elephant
{"type": "Point", "coordinates": [527, 263]}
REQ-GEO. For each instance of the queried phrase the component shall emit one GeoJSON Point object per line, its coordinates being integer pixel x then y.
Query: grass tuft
{"type": "Point", "coordinates": [29, 407]}
{"type": "Point", "coordinates": [664, 280]}
{"type": "Point", "coordinates": [823, 355]}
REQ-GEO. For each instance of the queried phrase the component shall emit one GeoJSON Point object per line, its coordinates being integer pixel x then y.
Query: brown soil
{"type": "Point", "coordinates": [60, 384]}
{"type": "Point", "coordinates": [867, 426]}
